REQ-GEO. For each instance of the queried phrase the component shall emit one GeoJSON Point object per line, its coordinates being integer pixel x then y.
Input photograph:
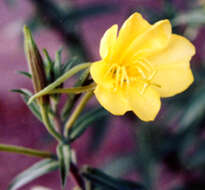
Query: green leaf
{"type": "Point", "coordinates": [84, 122]}
{"type": "Point", "coordinates": [72, 62]}
{"type": "Point", "coordinates": [25, 74]}
{"type": "Point", "coordinates": [71, 98]}
{"type": "Point", "coordinates": [82, 78]}
{"type": "Point", "coordinates": [99, 131]}
{"type": "Point", "coordinates": [64, 157]}
{"type": "Point", "coordinates": [35, 171]}
{"type": "Point", "coordinates": [57, 64]}
{"type": "Point", "coordinates": [26, 94]}
{"type": "Point", "coordinates": [121, 165]}
{"type": "Point", "coordinates": [48, 66]}
{"type": "Point", "coordinates": [110, 183]}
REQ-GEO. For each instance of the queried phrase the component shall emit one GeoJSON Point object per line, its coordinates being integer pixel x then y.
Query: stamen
{"type": "Point", "coordinates": [152, 75]}
{"type": "Point", "coordinates": [145, 65]}
{"type": "Point", "coordinates": [144, 88]}
{"type": "Point", "coordinates": [140, 70]}
{"type": "Point", "coordinates": [147, 62]}
{"type": "Point", "coordinates": [118, 76]}
{"type": "Point", "coordinates": [122, 77]}
{"type": "Point", "coordinates": [125, 76]}
{"type": "Point", "coordinates": [149, 83]}
{"type": "Point", "coordinates": [110, 70]}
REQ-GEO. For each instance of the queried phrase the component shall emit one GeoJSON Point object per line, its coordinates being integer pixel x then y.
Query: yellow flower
{"type": "Point", "coordinates": [140, 65]}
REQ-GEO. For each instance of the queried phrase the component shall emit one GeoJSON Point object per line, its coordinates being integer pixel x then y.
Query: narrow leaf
{"type": "Point", "coordinates": [110, 183]}
{"type": "Point", "coordinates": [64, 157]}
{"type": "Point", "coordinates": [48, 66]}
{"type": "Point", "coordinates": [35, 171]}
{"type": "Point", "coordinates": [84, 122]}
{"type": "Point", "coordinates": [72, 98]}
{"type": "Point", "coordinates": [57, 64]}
{"type": "Point", "coordinates": [26, 94]}
{"type": "Point", "coordinates": [73, 61]}
{"type": "Point", "coordinates": [25, 74]}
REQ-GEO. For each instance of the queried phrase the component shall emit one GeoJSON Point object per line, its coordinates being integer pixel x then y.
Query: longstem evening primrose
{"type": "Point", "coordinates": [139, 65]}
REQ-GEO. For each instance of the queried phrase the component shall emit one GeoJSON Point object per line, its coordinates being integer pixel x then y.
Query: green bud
{"type": "Point", "coordinates": [35, 63]}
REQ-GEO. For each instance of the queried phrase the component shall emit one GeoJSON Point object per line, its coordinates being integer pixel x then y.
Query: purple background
{"type": "Point", "coordinates": [19, 127]}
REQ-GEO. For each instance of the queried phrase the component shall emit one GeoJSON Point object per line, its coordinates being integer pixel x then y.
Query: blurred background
{"type": "Point", "coordinates": [168, 154]}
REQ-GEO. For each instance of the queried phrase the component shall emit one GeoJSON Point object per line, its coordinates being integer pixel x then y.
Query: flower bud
{"type": "Point", "coordinates": [35, 63]}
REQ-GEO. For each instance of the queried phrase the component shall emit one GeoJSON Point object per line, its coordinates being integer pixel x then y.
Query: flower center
{"type": "Point", "coordinates": [124, 74]}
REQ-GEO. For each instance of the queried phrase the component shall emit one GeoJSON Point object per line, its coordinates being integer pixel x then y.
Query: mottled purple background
{"type": "Point", "coordinates": [17, 125]}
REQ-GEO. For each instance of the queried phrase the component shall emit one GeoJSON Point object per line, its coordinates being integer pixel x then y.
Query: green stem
{"type": "Point", "coordinates": [60, 80]}
{"type": "Point", "coordinates": [77, 176]}
{"type": "Point", "coordinates": [48, 124]}
{"type": "Point", "coordinates": [77, 112]}
{"type": "Point", "coordinates": [75, 90]}
{"type": "Point", "coordinates": [25, 151]}
{"type": "Point", "coordinates": [72, 98]}
{"type": "Point", "coordinates": [55, 116]}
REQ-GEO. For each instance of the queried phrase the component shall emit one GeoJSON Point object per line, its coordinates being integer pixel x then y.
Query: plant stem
{"type": "Point", "coordinates": [77, 112]}
{"type": "Point", "coordinates": [60, 80]}
{"type": "Point", "coordinates": [48, 124]}
{"type": "Point", "coordinates": [41, 154]}
{"type": "Point", "coordinates": [56, 116]}
{"type": "Point", "coordinates": [75, 90]}
{"type": "Point", "coordinates": [25, 151]}
{"type": "Point", "coordinates": [72, 98]}
{"type": "Point", "coordinates": [76, 175]}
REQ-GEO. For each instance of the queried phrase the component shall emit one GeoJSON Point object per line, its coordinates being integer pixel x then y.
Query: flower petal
{"type": "Point", "coordinates": [144, 101]}
{"type": "Point", "coordinates": [173, 69]}
{"type": "Point", "coordinates": [113, 101]}
{"type": "Point", "coordinates": [153, 40]}
{"type": "Point", "coordinates": [108, 41]}
{"type": "Point", "coordinates": [97, 70]}
{"type": "Point", "coordinates": [132, 28]}
{"type": "Point", "coordinates": [173, 79]}
{"type": "Point", "coordinates": [179, 48]}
